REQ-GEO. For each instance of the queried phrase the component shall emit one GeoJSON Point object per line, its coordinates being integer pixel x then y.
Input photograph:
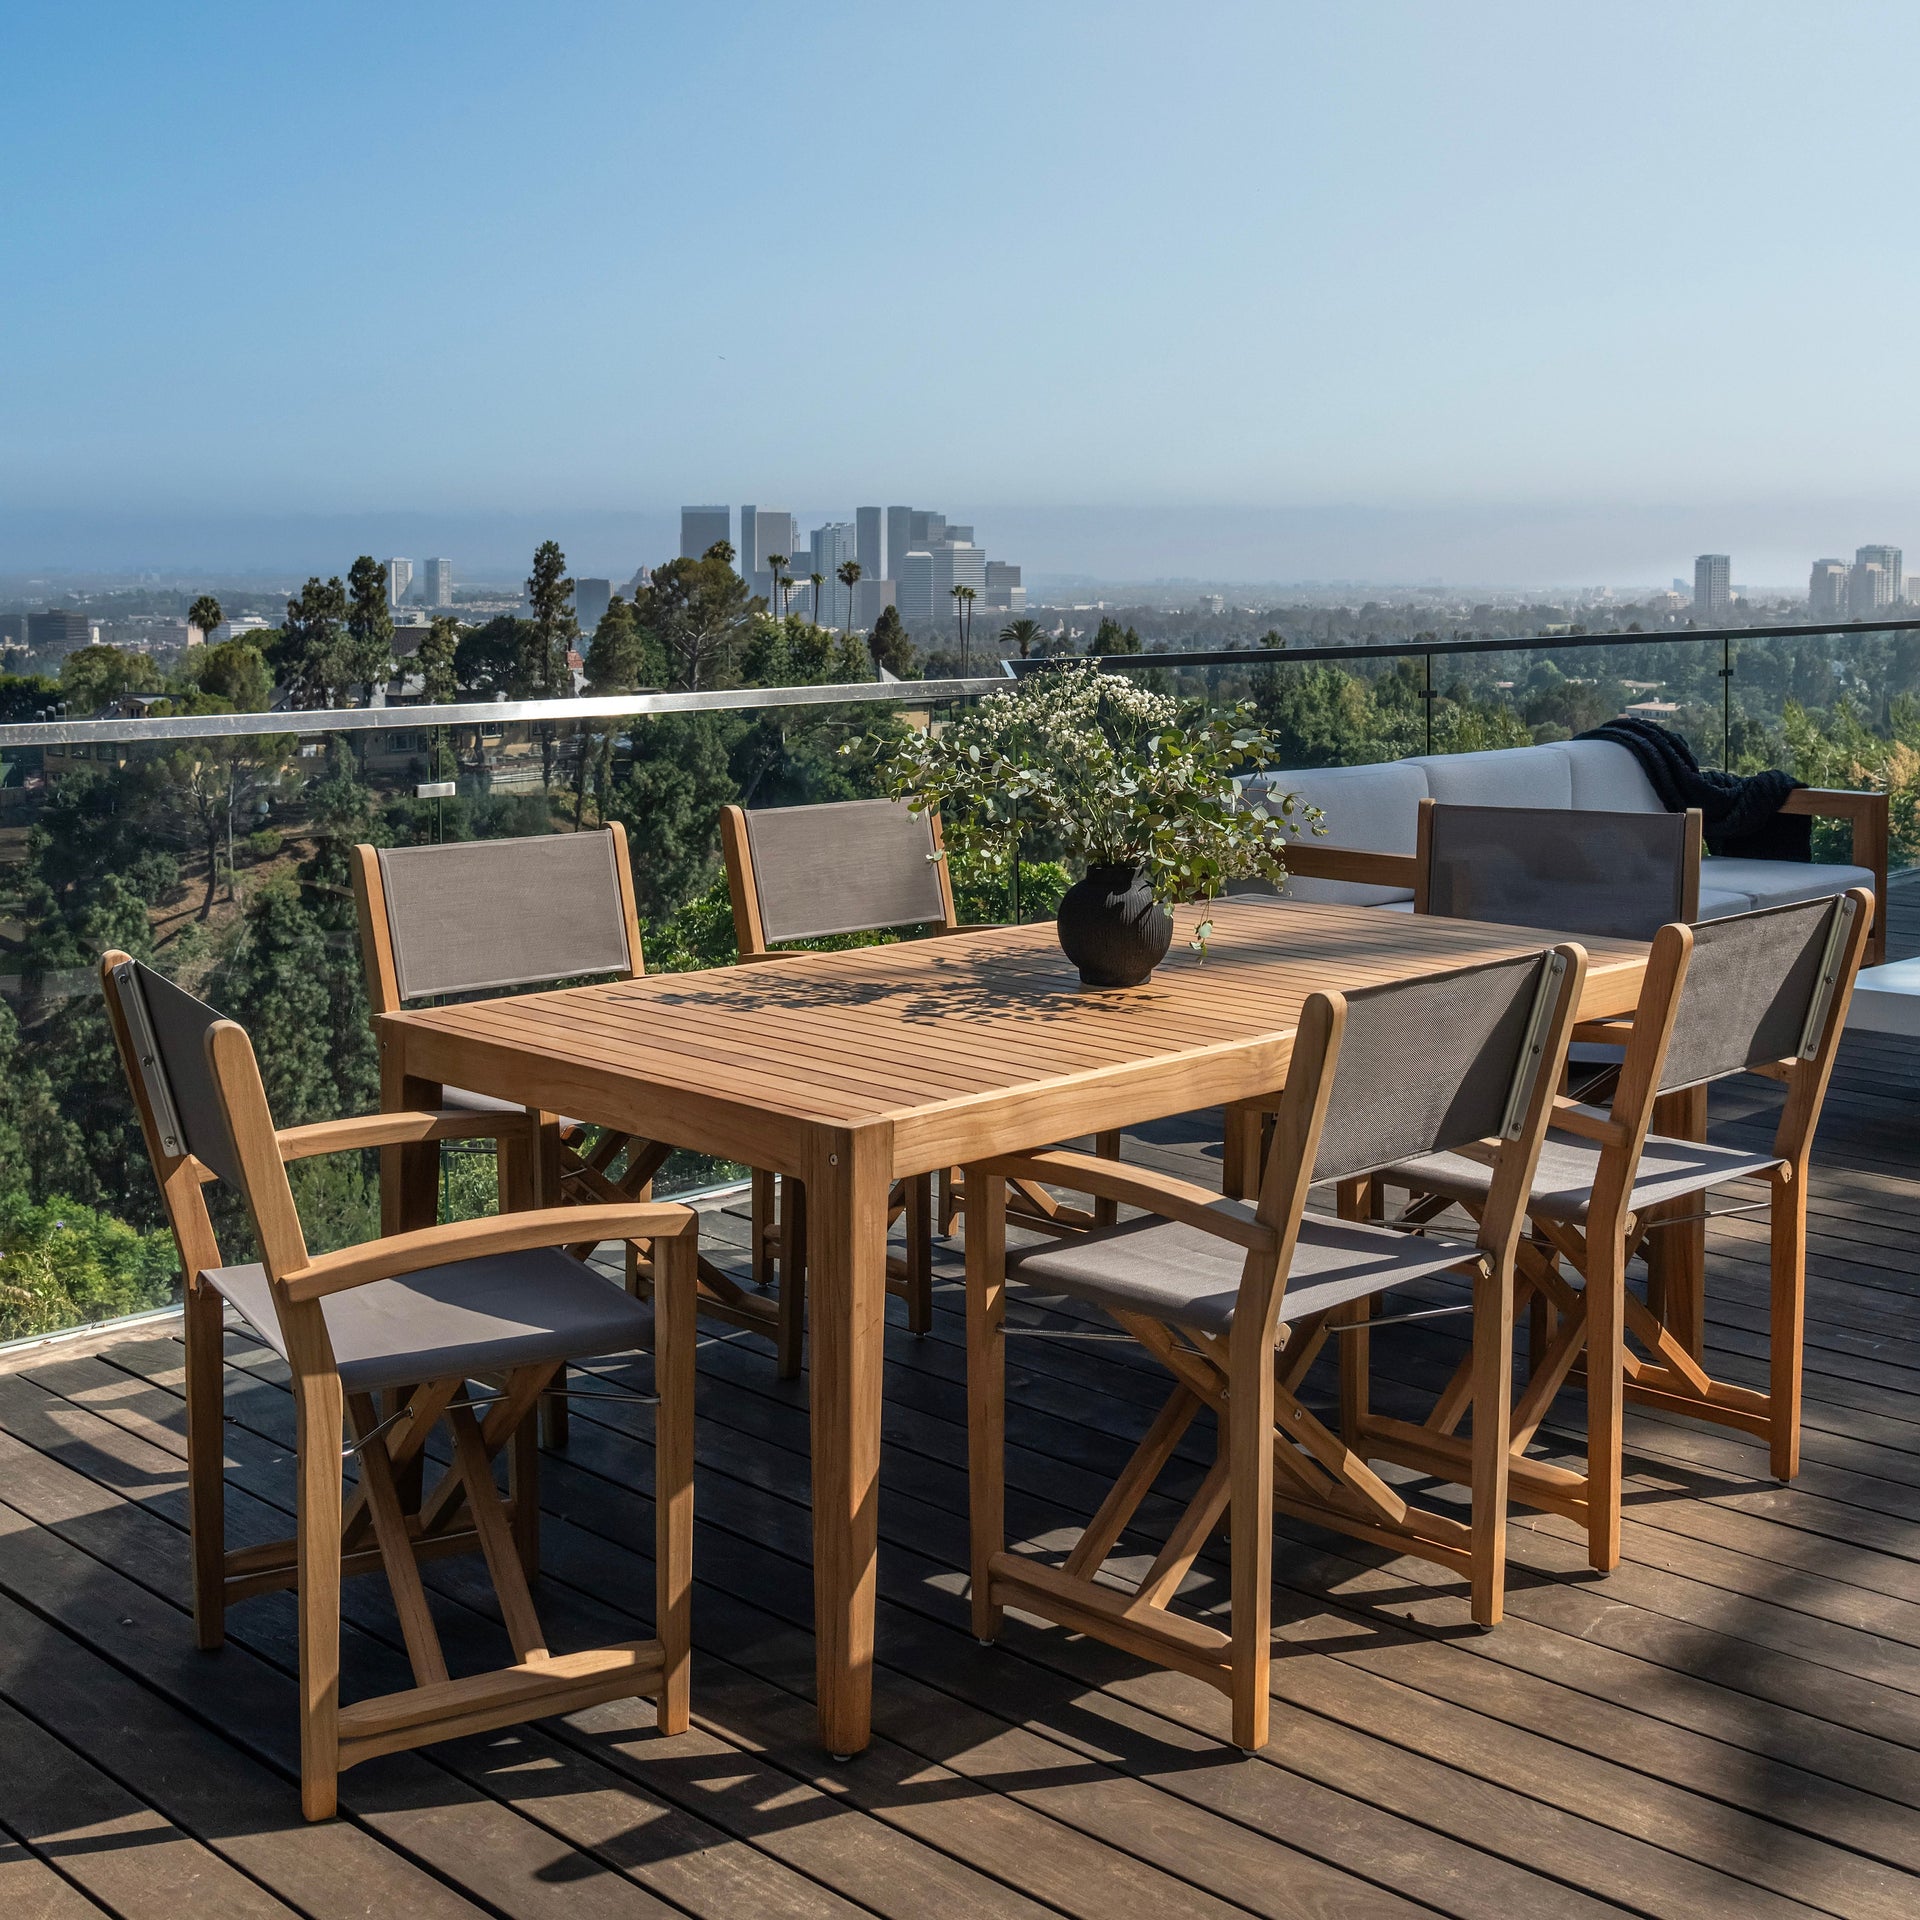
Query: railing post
{"type": "Point", "coordinates": [1426, 699]}
{"type": "Point", "coordinates": [1726, 706]}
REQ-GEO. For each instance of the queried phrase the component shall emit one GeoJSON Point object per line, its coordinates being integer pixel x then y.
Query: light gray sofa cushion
{"type": "Point", "coordinates": [1504, 777]}
{"type": "Point", "coordinates": [1607, 778]}
{"type": "Point", "coordinates": [1375, 808]}
{"type": "Point", "coordinates": [1777, 883]}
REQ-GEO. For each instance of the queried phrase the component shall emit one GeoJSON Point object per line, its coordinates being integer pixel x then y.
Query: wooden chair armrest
{"type": "Point", "coordinates": [1613, 1031]}
{"type": "Point", "coordinates": [1133, 1186]}
{"type": "Point", "coordinates": [1313, 862]}
{"type": "Point", "coordinates": [398, 1130]}
{"type": "Point", "coordinates": [401, 1253]}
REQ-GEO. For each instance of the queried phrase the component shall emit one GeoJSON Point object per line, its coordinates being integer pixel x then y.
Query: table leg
{"type": "Point", "coordinates": [409, 1176]}
{"type": "Point", "coordinates": [848, 1177]}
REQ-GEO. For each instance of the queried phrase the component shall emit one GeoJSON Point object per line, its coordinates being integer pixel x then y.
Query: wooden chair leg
{"type": "Point", "coordinates": [318, 1415]}
{"type": "Point", "coordinates": [1106, 1213]}
{"type": "Point", "coordinates": [1240, 1155]}
{"type": "Point", "coordinates": [950, 1204]}
{"type": "Point", "coordinates": [1250, 1443]}
{"type": "Point", "coordinates": [919, 1225]}
{"type": "Point", "coordinates": [1492, 1455]}
{"type": "Point", "coordinates": [1787, 1327]}
{"type": "Point", "coordinates": [790, 1330]}
{"type": "Point", "coordinates": [1605, 1294]}
{"type": "Point", "coordinates": [675, 1289]}
{"type": "Point", "coordinates": [986, 1389]}
{"type": "Point", "coordinates": [554, 1417]}
{"type": "Point", "coordinates": [206, 1461]}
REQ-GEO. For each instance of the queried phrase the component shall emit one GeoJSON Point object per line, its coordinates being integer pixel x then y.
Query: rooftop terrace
{"type": "Point", "coordinates": [1728, 1725]}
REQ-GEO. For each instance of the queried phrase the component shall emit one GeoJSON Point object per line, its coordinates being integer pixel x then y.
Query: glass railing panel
{"type": "Point", "coordinates": [224, 860]}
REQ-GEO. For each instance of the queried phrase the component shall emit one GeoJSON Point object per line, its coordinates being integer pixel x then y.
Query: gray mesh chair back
{"type": "Point", "coordinates": [482, 915]}
{"type": "Point", "coordinates": [169, 1029]}
{"type": "Point", "coordinates": [1757, 988]}
{"type": "Point", "coordinates": [846, 867]}
{"type": "Point", "coordinates": [1622, 875]}
{"type": "Point", "coordinates": [1430, 1064]}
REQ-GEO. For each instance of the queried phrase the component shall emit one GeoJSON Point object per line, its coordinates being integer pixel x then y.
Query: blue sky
{"type": "Point", "coordinates": [1520, 263]}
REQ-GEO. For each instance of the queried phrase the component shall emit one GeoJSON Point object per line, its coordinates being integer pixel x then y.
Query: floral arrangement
{"type": "Point", "coordinates": [1112, 774]}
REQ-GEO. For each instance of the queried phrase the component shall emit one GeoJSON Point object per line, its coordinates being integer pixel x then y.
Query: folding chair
{"type": "Point", "coordinates": [1619, 875]}
{"type": "Point", "coordinates": [417, 1317]}
{"type": "Point", "coordinates": [486, 916]}
{"type": "Point", "coordinates": [853, 866]}
{"type": "Point", "coordinates": [1236, 1301]}
{"type": "Point", "coordinates": [1763, 993]}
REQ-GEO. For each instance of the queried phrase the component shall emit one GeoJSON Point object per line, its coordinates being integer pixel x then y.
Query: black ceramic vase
{"type": "Point", "coordinates": [1112, 928]}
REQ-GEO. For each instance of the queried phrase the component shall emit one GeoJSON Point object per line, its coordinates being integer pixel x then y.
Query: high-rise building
{"type": "Point", "coordinates": [1869, 588]}
{"type": "Point", "coordinates": [238, 628]}
{"type": "Point", "coordinates": [914, 593]}
{"type": "Point", "coordinates": [1003, 591]}
{"type": "Point", "coordinates": [704, 527]}
{"type": "Point", "coordinates": [954, 531]}
{"type": "Point", "coordinates": [747, 560]}
{"type": "Point", "coordinates": [436, 583]}
{"type": "Point", "coordinates": [899, 538]}
{"type": "Point", "coordinates": [591, 599]}
{"type": "Point", "coordinates": [1827, 590]}
{"type": "Point", "coordinates": [832, 547]}
{"type": "Point", "coordinates": [399, 578]}
{"type": "Point", "coordinates": [58, 632]}
{"type": "Point", "coordinates": [1712, 583]}
{"type": "Point", "coordinates": [869, 542]}
{"type": "Point", "coordinates": [956, 563]}
{"type": "Point", "coordinates": [1887, 559]}
{"type": "Point", "coordinates": [869, 596]}
{"type": "Point", "coordinates": [927, 529]}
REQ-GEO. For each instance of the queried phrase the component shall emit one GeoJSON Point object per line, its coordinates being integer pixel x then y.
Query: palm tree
{"type": "Point", "coordinates": [849, 572]}
{"type": "Point", "coordinates": [776, 561]}
{"type": "Point", "coordinates": [959, 624]}
{"type": "Point", "coordinates": [205, 614]}
{"type": "Point", "coordinates": [1021, 634]}
{"type": "Point", "coordinates": [967, 597]}
{"type": "Point", "coordinates": [817, 580]}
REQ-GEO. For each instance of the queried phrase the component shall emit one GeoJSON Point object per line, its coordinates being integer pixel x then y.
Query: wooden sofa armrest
{"type": "Point", "coordinates": [399, 1130]}
{"type": "Point", "coordinates": [400, 1253]}
{"type": "Point", "coordinates": [1313, 862]}
{"type": "Point", "coordinates": [1867, 814]}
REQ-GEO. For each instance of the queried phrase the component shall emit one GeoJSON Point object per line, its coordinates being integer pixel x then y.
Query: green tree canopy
{"type": "Point", "coordinates": [889, 647]}
{"type": "Point", "coordinates": [697, 612]}
{"type": "Point", "coordinates": [94, 677]}
{"type": "Point", "coordinates": [369, 624]}
{"type": "Point", "coordinates": [313, 656]}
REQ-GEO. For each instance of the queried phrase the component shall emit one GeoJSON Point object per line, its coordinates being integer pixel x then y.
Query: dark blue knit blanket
{"type": "Point", "coordinates": [1740, 814]}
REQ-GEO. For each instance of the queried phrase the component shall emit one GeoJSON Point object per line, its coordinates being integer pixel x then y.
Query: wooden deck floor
{"type": "Point", "coordinates": [1727, 1726]}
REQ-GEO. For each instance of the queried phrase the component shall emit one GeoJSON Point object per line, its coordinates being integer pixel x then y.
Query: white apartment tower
{"type": "Point", "coordinates": [1892, 589]}
{"type": "Point", "coordinates": [1712, 583]}
{"type": "Point", "coordinates": [1827, 590]}
{"type": "Point", "coordinates": [399, 579]}
{"type": "Point", "coordinates": [436, 583]}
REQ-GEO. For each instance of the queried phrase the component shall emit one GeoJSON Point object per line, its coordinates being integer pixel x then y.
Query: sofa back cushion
{"type": "Point", "coordinates": [1607, 778]}
{"type": "Point", "coordinates": [1375, 808]}
{"type": "Point", "coordinates": [1504, 777]}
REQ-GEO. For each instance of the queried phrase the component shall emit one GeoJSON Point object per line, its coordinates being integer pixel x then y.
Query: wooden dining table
{"type": "Point", "coordinates": [849, 1070]}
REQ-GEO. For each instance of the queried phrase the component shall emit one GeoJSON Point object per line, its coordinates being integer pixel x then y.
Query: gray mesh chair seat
{"type": "Point", "coordinates": [1176, 1273]}
{"type": "Point", "coordinates": [471, 1317]}
{"type": "Point", "coordinates": [1563, 1186]}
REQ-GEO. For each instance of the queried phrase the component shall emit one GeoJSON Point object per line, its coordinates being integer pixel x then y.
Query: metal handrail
{"type": "Point", "coordinates": [1521, 643]}
{"type": "Point", "coordinates": [480, 713]}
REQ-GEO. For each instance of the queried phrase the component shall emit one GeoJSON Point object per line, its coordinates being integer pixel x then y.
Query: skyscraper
{"type": "Point", "coordinates": [914, 593]}
{"type": "Point", "coordinates": [1827, 590]}
{"type": "Point", "coordinates": [869, 545]}
{"type": "Point", "coordinates": [748, 558]}
{"type": "Point", "coordinates": [927, 529]}
{"type": "Point", "coordinates": [899, 538]}
{"type": "Point", "coordinates": [399, 578]}
{"type": "Point", "coordinates": [1712, 583]}
{"type": "Point", "coordinates": [832, 547]}
{"type": "Point", "coordinates": [1869, 589]}
{"type": "Point", "coordinates": [704, 527]}
{"type": "Point", "coordinates": [591, 599]}
{"type": "Point", "coordinates": [436, 583]}
{"type": "Point", "coordinates": [956, 563]}
{"type": "Point", "coordinates": [1887, 559]}
{"type": "Point", "coordinates": [1003, 591]}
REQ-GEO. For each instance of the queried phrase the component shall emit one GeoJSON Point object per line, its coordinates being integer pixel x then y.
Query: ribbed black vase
{"type": "Point", "coordinates": [1112, 928]}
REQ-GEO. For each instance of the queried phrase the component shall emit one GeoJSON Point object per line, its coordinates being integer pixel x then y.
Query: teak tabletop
{"type": "Point", "coordinates": [849, 1070]}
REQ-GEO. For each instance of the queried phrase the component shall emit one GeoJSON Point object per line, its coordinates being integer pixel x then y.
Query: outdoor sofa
{"type": "Point", "coordinates": [1367, 854]}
